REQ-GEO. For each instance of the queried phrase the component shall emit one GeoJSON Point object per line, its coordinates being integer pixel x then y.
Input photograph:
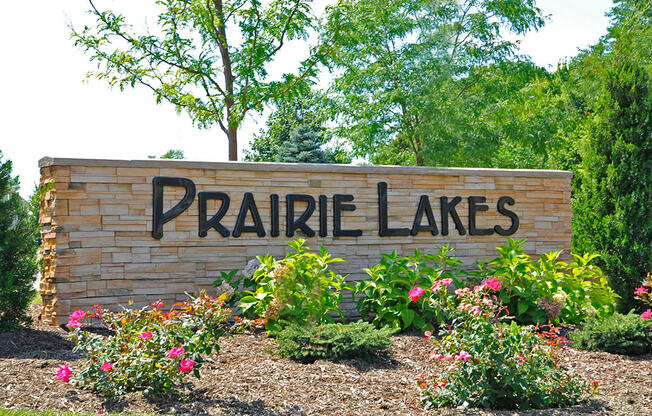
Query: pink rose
{"type": "Point", "coordinates": [106, 366]}
{"type": "Point", "coordinates": [175, 352]}
{"type": "Point", "coordinates": [463, 356]}
{"type": "Point", "coordinates": [146, 335]}
{"type": "Point", "coordinates": [640, 290]}
{"type": "Point", "coordinates": [492, 284]}
{"type": "Point", "coordinates": [647, 314]}
{"type": "Point", "coordinates": [186, 365]}
{"type": "Point", "coordinates": [77, 315]}
{"type": "Point", "coordinates": [416, 293]}
{"type": "Point", "coordinates": [64, 373]}
{"type": "Point", "coordinates": [73, 324]}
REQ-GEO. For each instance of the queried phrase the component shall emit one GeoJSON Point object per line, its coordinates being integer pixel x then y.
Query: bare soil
{"type": "Point", "coordinates": [247, 378]}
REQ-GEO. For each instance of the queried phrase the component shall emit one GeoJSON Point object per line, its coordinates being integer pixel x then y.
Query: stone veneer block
{"type": "Point", "coordinates": [97, 222]}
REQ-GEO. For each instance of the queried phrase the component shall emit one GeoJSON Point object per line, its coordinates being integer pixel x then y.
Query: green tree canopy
{"type": "Point", "coordinates": [405, 70]}
{"type": "Point", "coordinates": [171, 154]}
{"type": "Point", "coordinates": [208, 58]}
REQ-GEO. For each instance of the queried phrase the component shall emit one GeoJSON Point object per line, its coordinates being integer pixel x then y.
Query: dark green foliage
{"type": "Point", "coordinates": [334, 342]}
{"type": "Point", "coordinates": [612, 208]}
{"type": "Point", "coordinates": [303, 146]}
{"type": "Point", "coordinates": [617, 334]}
{"type": "Point", "coordinates": [18, 248]}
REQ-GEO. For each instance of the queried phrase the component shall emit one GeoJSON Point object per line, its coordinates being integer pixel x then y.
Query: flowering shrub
{"type": "Point", "coordinates": [398, 289]}
{"type": "Point", "coordinates": [485, 362]}
{"type": "Point", "coordinates": [149, 350]}
{"type": "Point", "coordinates": [550, 289]}
{"type": "Point", "coordinates": [644, 294]}
{"type": "Point", "coordinates": [296, 289]}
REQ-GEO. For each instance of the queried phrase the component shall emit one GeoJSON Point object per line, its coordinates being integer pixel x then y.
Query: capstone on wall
{"type": "Point", "coordinates": [100, 243]}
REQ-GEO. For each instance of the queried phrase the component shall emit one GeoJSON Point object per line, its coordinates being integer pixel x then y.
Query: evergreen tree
{"type": "Point", "coordinates": [613, 192]}
{"type": "Point", "coordinates": [303, 146]}
{"type": "Point", "coordinates": [18, 248]}
{"type": "Point", "coordinates": [614, 205]}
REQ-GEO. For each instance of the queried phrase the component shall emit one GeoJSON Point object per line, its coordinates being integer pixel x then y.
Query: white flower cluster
{"type": "Point", "coordinates": [250, 268]}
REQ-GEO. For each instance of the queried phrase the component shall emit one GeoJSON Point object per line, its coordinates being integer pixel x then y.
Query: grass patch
{"type": "Point", "coordinates": [24, 412]}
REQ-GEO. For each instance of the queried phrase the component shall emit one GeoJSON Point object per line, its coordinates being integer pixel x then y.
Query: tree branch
{"type": "Point", "coordinates": [152, 54]}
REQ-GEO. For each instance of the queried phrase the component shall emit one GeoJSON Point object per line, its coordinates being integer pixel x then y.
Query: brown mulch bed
{"type": "Point", "coordinates": [246, 379]}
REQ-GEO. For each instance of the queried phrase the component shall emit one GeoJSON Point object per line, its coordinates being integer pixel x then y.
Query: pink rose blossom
{"type": "Point", "coordinates": [64, 373]}
{"type": "Point", "coordinates": [640, 290]}
{"type": "Point", "coordinates": [463, 356]}
{"type": "Point", "coordinates": [146, 335]}
{"type": "Point", "coordinates": [492, 284]}
{"type": "Point", "coordinates": [73, 324]}
{"type": "Point", "coordinates": [106, 366]}
{"type": "Point", "coordinates": [186, 365]}
{"type": "Point", "coordinates": [77, 315]}
{"type": "Point", "coordinates": [175, 352]}
{"type": "Point", "coordinates": [647, 314]}
{"type": "Point", "coordinates": [416, 293]}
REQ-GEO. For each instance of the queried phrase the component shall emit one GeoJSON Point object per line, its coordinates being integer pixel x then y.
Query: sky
{"type": "Point", "coordinates": [49, 108]}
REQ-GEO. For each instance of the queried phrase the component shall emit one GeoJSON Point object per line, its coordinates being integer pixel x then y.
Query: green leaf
{"type": "Point", "coordinates": [407, 316]}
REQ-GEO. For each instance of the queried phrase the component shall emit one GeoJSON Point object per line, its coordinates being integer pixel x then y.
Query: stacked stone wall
{"type": "Point", "coordinates": [97, 222]}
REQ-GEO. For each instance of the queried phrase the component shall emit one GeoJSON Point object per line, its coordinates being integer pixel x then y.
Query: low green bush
{"type": "Point", "coordinates": [617, 334]}
{"type": "Point", "coordinates": [296, 289]}
{"type": "Point", "coordinates": [334, 342]}
{"type": "Point", "coordinates": [149, 350]}
{"type": "Point", "coordinates": [398, 288]}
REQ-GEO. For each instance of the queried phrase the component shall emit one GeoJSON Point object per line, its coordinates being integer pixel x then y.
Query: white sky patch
{"type": "Point", "coordinates": [48, 108]}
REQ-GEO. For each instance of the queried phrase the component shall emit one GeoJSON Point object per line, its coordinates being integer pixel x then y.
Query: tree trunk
{"type": "Point", "coordinates": [233, 143]}
{"type": "Point", "coordinates": [419, 158]}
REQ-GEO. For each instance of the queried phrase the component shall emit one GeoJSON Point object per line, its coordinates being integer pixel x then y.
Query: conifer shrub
{"type": "Point", "coordinates": [18, 249]}
{"type": "Point", "coordinates": [334, 342]}
{"type": "Point", "coordinates": [617, 334]}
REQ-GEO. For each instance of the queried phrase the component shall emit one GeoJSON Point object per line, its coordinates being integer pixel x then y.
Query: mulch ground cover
{"type": "Point", "coordinates": [247, 378]}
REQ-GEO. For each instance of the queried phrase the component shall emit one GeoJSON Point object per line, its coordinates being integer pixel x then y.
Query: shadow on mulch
{"type": "Point", "coordinates": [36, 344]}
{"type": "Point", "coordinates": [200, 403]}
{"type": "Point", "coordinates": [378, 364]}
